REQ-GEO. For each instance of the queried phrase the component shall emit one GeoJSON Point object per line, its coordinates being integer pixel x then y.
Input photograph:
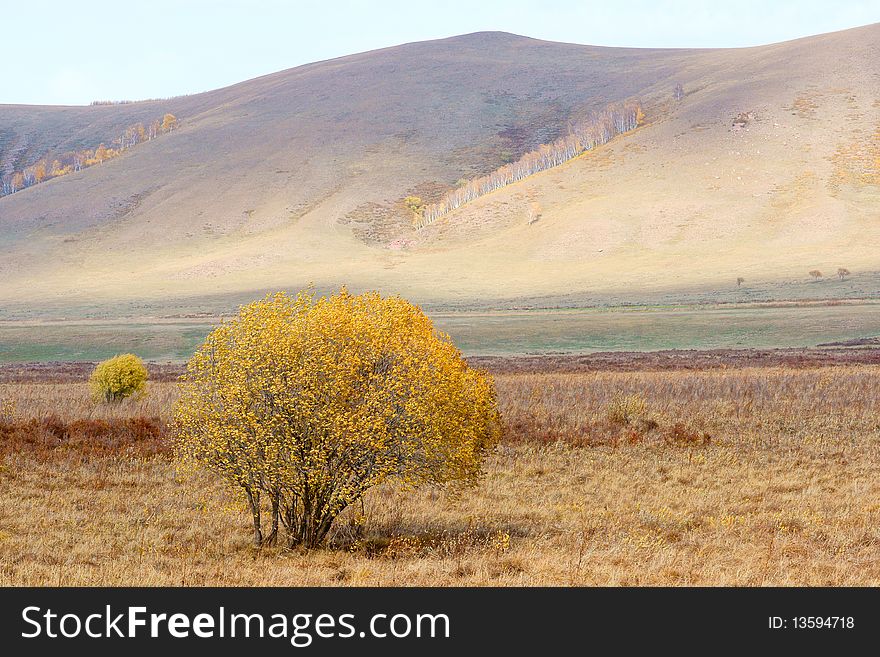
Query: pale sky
{"type": "Point", "coordinates": [76, 51]}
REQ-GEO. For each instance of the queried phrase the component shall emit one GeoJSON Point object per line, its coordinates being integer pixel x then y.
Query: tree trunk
{"type": "Point", "coordinates": [272, 538]}
{"type": "Point", "coordinates": [309, 532]}
{"type": "Point", "coordinates": [254, 502]}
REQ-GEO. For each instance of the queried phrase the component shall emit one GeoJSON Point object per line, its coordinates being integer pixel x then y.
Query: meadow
{"type": "Point", "coordinates": [618, 328]}
{"type": "Point", "coordinates": [690, 470]}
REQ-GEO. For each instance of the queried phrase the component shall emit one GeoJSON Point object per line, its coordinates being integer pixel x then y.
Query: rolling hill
{"type": "Point", "coordinates": [767, 168]}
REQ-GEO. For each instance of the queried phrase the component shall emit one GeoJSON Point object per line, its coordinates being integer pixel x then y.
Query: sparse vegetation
{"type": "Point", "coordinates": [534, 212]}
{"type": "Point", "coordinates": [743, 119]}
{"type": "Point", "coordinates": [583, 136]}
{"type": "Point", "coordinates": [710, 194]}
{"type": "Point", "coordinates": [842, 272]}
{"type": "Point", "coordinates": [118, 378]}
{"type": "Point", "coordinates": [739, 281]}
{"type": "Point", "coordinates": [44, 169]}
{"type": "Point", "coordinates": [782, 492]}
{"type": "Point", "coordinates": [626, 409]}
{"type": "Point", "coordinates": [816, 274]}
{"type": "Point", "coordinates": [857, 162]}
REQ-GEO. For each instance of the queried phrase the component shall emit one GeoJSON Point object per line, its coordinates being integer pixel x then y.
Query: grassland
{"type": "Point", "coordinates": [728, 326]}
{"type": "Point", "coordinates": [708, 474]}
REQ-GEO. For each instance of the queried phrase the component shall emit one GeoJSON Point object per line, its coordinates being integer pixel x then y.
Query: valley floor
{"type": "Point", "coordinates": [626, 473]}
{"type": "Point", "coordinates": [792, 325]}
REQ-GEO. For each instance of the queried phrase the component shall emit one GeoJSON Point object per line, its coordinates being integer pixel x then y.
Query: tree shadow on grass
{"type": "Point", "coordinates": [414, 540]}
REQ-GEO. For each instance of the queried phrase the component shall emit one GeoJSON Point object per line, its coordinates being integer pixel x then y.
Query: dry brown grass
{"type": "Point", "coordinates": [753, 476]}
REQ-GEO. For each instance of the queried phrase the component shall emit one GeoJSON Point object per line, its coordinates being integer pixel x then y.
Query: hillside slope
{"type": "Point", "coordinates": [766, 169]}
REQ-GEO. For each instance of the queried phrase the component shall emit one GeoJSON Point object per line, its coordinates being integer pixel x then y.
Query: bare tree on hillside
{"type": "Point", "coordinates": [816, 274]}
{"type": "Point", "coordinates": [739, 281]}
{"type": "Point", "coordinates": [842, 272]}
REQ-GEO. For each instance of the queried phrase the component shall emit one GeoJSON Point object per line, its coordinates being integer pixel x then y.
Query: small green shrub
{"type": "Point", "coordinates": [626, 409]}
{"type": "Point", "coordinates": [118, 378]}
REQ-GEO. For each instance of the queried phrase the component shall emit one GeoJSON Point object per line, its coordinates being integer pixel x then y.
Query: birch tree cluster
{"type": "Point", "coordinates": [72, 161]}
{"type": "Point", "coordinates": [583, 136]}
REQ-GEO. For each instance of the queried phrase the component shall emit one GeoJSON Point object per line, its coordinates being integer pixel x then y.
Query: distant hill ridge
{"type": "Point", "coordinates": [757, 164]}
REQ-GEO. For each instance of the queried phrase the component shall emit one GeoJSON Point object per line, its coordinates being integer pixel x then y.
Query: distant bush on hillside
{"type": "Point", "coordinates": [415, 204]}
{"type": "Point", "coordinates": [583, 136]}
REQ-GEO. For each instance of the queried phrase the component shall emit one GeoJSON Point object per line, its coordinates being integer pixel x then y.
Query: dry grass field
{"type": "Point", "coordinates": [696, 474]}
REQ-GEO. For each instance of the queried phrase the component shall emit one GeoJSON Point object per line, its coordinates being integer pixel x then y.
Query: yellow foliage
{"type": "Point", "coordinates": [7, 410]}
{"type": "Point", "coordinates": [640, 116]}
{"type": "Point", "coordinates": [311, 402]}
{"type": "Point", "coordinates": [415, 204]}
{"type": "Point", "coordinates": [41, 170]}
{"type": "Point", "coordinates": [169, 123]}
{"type": "Point", "coordinates": [118, 377]}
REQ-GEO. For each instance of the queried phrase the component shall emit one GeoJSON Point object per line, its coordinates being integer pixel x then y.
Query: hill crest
{"type": "Point", "coordinates": [300, 176]}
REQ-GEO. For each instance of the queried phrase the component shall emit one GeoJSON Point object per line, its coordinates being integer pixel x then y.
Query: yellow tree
{"type": "Point", "coordinates": [305, 404]}
{"type": "Point", "coordinates": [40, 171]}
{"type": "Point", "coordinates": [169, 123]}
{"type": "Point", "coordinates": [118, 378]}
